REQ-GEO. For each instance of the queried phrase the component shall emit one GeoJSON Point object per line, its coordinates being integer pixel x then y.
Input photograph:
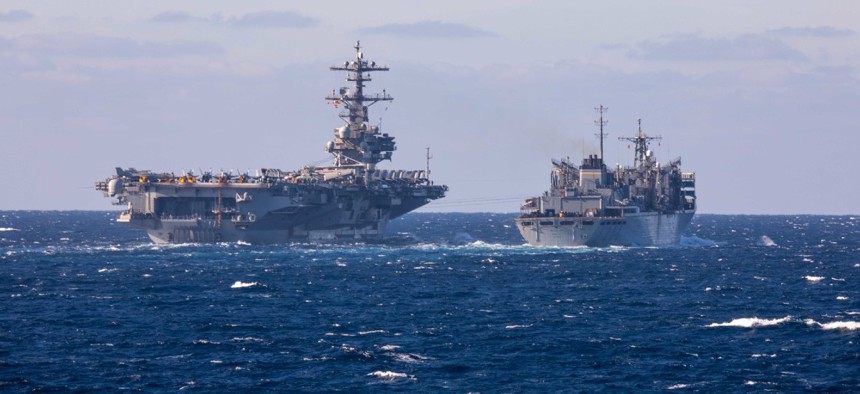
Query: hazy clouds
{"type": "Point", "coordinates": [260, 19]}
{"type": "Point", "coordinates": [701, 49]}
{"type": "Point", "coordinates": [429, 29]}
{"type": "Point", "coordinates": [819, 31]}
{"type": "Point", "coordinates": [92, 46]}
{"type": "Point", "coordinates": [15, 16]}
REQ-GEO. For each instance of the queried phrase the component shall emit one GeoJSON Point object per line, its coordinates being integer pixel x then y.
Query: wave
{"type": "Point", "coordinates": [390, 375]}
{"type": "Point", "coordinates": [410, 358]}
{"type": "Point", "coordinates": [239, 284]}
{"type": "Point", "coordinates": [4, 229]}
{"type": "Point", "coordinates": [205, 342]}
{"type": "Point", "coordinates": [245, 339]}
{"type": "Point", "coordinates": [694, 242]}
{"type": "Point", "coordinates": [764, 240]}
{"type": "Point", "coordinates": [813, 279]}
{"type": "Point", "coordinates": [748, 322]}
{"type": "Point", "coordinates": [836, 325]}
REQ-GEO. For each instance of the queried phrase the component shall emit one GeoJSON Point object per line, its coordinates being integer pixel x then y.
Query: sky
{"type": "Point", "coordinates": [761, 101]}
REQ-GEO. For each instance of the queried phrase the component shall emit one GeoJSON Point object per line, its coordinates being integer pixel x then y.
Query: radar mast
{"type": "Point", "coordinates": [357, 143]}
{"type": "Point", "coordinates": [641, 141]}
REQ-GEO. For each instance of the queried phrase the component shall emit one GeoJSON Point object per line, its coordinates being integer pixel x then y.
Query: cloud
{"type": "Point", "coordinates": [101, 46]}
{"type": "Point", "coordinates": [262, 19]}
{"type": "Point", "coordinates": [700, 49]}
{"type": "Point", "coordinates": [430, 29]}
{"type": "Point", "coordinates": [15, 16]}
{"type": "Point", "coordinates": [818, 32]}
{"type": "Point", "coordinates": [284, 19]}
{"type": "Point", "coordinates": [175, 17]}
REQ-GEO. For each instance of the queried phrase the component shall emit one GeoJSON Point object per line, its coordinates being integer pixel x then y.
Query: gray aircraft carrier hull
{"type": "Point", "coordinates": [336, 217]}
{"type": "Point", "coordinates": [640, 229]}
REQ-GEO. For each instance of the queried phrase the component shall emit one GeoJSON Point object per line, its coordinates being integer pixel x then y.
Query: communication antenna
{"type": "Point", "coordinates": [428, 157]}
{"type": "Point", "coordinates": [640, 141]}
{"type": "Point", "coordinates": [600, 123]}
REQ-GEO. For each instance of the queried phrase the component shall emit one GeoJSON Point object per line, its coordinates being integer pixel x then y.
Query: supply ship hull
{"type": "Point", "coordinates": [351, 200]}
{"type": "Point", "coordinates": [647, 204]}
{"type": "Point", "coordinates": [642, 229]}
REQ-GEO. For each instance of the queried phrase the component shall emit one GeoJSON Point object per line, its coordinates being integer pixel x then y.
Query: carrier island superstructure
{"type": "Point", "coordinates": [647, 204]}
{"type": "Point", "coordinates": [351, 200]}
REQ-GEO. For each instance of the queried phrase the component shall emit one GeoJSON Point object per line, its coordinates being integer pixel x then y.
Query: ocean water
{"type": "Point", "coordinates": [746, 303]}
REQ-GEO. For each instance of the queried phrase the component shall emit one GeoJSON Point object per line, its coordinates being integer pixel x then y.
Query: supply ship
{"type": "Point", "coordinates": [647, 204]}
{"type": "Point", "coordinates": [351, 200]}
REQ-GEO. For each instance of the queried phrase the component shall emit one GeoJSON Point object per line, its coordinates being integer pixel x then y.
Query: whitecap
{"type": "Point", "coordinates": [239, 284]}
{"type": "Point", "coordinates": [371, 332]}
{"type": "Point", "coordinates": [245, 339]}
{"type": "Point", "coordinates": [813, 279]}
{"type": "Point", "coordinates": [764, 240]}
{"type": "Point", "coordinates": [102, 270]}
{"type": "Point", "coordinates": [841, 298]}
{"type": "Point", "coordinates": [748, 322]}
{"type": "Point", "coordinates": [410, 358]}
{"type": "Point", "coordinates": [4, 229]}
{"type": "Point", "coordinates": [836, 325]}
{"type": "Point", "coordinates": [513, 326]}
{"type": "Point", "coordinates": [317, 358]}
{"type": "Point", "coordinates": [677, 386]}
{"type": "Point", "coordinates": [389, 347]}
{"type": "Point", "coordinates": [388, 375]}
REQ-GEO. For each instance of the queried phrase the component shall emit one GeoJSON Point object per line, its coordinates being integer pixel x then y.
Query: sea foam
{"type": "Point", "coordinates": [748, 322]}
{"type": "Point", "coordinates": [239, 284]}
{"type": "Point", "coordinates": [836, 325]}
{"type": "Point", "coordinates": [764, 240]}
{"type": "Point", "coordinates": [388, 375]}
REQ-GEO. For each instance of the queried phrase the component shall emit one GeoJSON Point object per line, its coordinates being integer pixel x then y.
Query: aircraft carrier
{"type": "Point", "coordinates": [647, 204]}
{"type": "Point", "coordinates": [351, 200]}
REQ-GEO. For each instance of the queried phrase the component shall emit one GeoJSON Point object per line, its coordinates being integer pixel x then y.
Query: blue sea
{"type": "Point", "coordinates": [744, 304]}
